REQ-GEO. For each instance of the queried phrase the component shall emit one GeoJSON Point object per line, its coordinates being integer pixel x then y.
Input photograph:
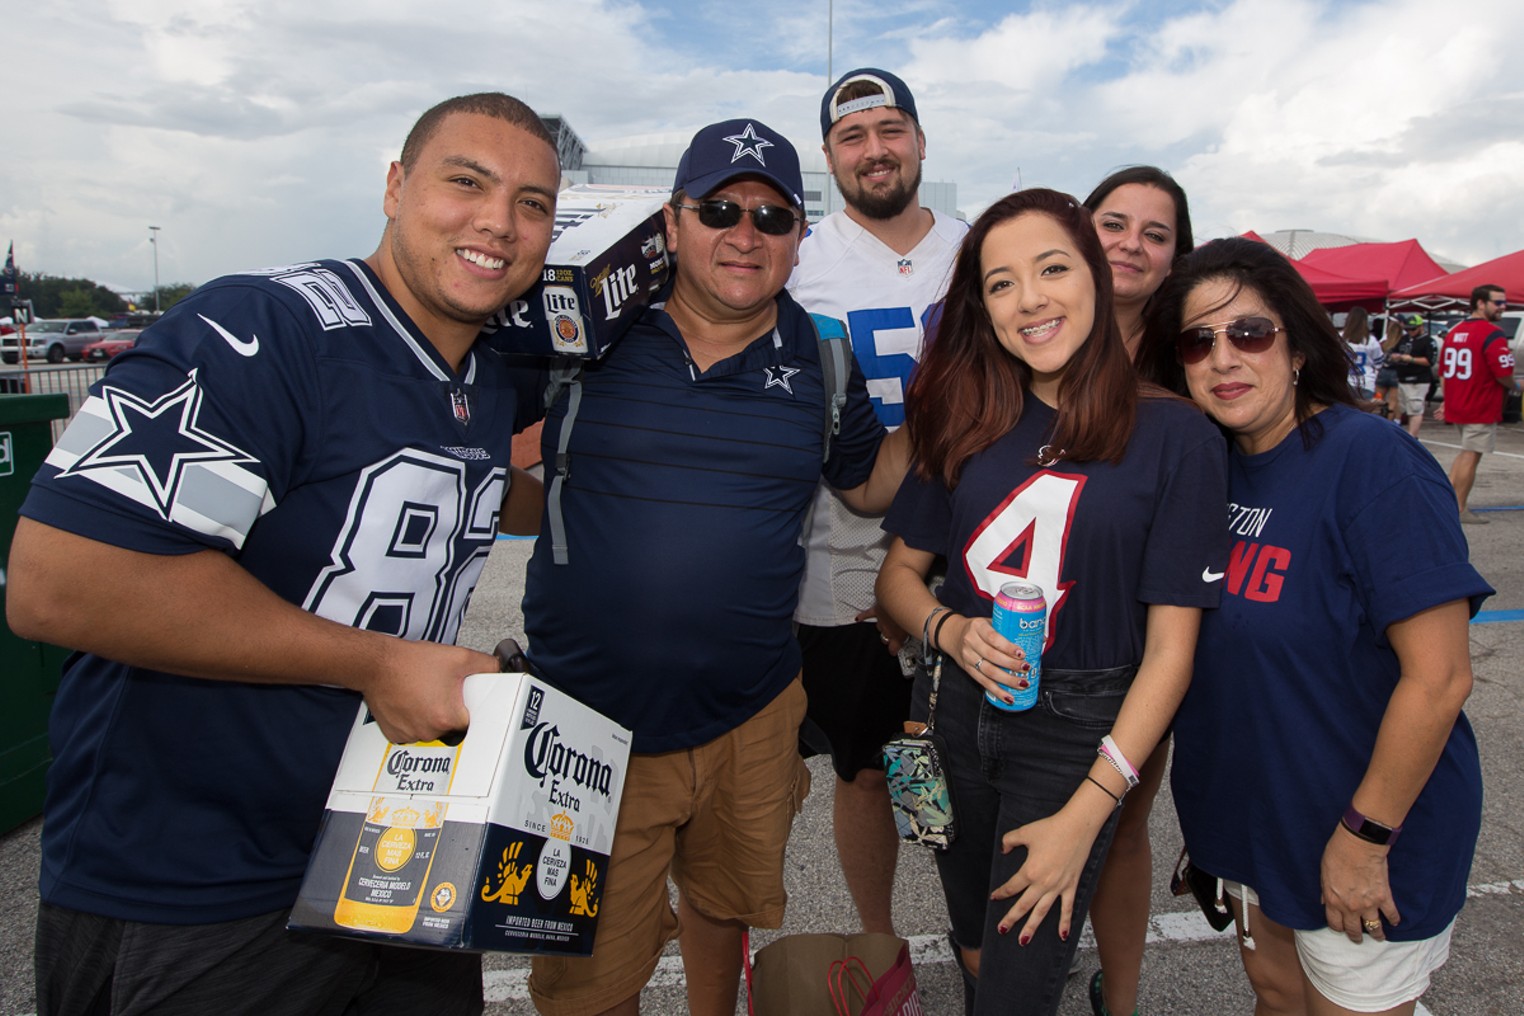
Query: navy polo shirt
{"type": "Point", "coordinates": [683, 507]}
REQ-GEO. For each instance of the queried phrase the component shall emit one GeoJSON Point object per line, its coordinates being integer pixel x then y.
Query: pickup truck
{"type": "Point", "coordinates": [52, 340]}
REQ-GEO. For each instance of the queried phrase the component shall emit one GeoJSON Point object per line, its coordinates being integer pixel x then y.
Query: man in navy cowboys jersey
{"type": "Point", "coordinates": [878, 265]}
{"type": "Point", "coordinates": [277, 503]}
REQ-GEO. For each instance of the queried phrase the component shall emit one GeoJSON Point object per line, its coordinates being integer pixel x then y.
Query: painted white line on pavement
{"type": "Point", "coordinates": [1446, 444]}
{"type": "Point", "coordinates": [1496, 888]}
{"type": "Point", "coordinates": [1189, 926]}
{"type": "Point", "coordinates": [513, 985]}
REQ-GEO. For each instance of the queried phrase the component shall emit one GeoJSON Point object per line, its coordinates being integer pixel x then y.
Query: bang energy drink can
{"type": "Point", "coordinates": [1021, 615]}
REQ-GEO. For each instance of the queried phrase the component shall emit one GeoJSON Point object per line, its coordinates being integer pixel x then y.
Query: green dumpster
{"type": "Point", "coordinates": [30, 669]}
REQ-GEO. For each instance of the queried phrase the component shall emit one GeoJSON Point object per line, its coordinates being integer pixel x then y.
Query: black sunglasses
{"type": "Point", "coordinates": [1248, 335]}
{"type": "Point", "coordinates": [717, 213]}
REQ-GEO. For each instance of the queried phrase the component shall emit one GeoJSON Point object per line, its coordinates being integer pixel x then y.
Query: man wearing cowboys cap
{"type": "Point", "coordinates": [695, 452]}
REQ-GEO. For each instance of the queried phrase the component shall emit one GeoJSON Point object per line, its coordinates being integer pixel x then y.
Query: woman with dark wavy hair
{"type": "Point", "coordinates": [1324, 718]}
{"type": "Point", "coordinates": [1039, 456]}
{"type": "Point", "coordinates": [1143, 220]}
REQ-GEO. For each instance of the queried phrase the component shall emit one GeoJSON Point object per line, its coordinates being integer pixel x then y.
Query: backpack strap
{"type": "Point", "coordinates": [831, 334]}
{"type": "Point", "coordinates": [567, 373]}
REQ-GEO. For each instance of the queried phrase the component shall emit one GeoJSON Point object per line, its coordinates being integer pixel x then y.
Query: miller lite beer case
{"type": "Point", "coordinates": [607, 261]}
{"type": "Point", "coordinates": [500, 842]}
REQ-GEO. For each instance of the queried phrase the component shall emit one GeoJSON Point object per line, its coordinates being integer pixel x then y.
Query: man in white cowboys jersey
{"type": "Point", "coordinates": [878, 265]}
{"type": "Point", "coordinates": [276, 504]}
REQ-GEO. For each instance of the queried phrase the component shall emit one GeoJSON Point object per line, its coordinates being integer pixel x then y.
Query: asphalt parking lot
{"type": "Point", "coordinates": [1188, 969]}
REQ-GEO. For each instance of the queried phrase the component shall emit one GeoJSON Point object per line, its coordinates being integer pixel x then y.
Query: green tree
{"type": "Point", "coordinates": [168, 295]}
{"type": "Point", "coordinates": [85, 296]}
{"type": "Point", "coordinates": [75, 303]}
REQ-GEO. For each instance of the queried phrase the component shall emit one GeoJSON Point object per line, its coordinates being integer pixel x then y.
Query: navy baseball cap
{"type": "Point", "coordinates": [891, 92]}
{"type": "Point", "coordinates": [724, 151]}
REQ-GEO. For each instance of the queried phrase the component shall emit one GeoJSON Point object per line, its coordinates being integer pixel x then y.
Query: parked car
{"type": "Point", "coordinates": [112, 343]}
{"type": "Point", "coordinates": [132, 319]}
{"type": "Point", "coordinates": [52, 340]}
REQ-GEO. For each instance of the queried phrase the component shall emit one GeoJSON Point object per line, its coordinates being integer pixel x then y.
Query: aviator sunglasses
{"type": "Point", "coordinates": [717, 213]}
{"type": "Point", "coordinates": [1248, 335]}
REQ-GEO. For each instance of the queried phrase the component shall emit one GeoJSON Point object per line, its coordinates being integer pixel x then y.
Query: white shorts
{"type": "Point", "coordinates": [1368, 976]}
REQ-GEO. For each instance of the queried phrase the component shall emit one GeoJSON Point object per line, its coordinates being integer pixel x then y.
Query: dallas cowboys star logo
{"type": "Point", "coordinates": [754, 148]}
{"type": "Point", "coordinates": [157, 440]}
{"type": "Point", "coordinates": [780, 379]}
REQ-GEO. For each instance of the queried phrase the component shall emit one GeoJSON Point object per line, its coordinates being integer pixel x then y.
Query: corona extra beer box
{"type": "Point", "coordinates": [607, 260]}
{"type": "Point", "coordinates": [501, 842]}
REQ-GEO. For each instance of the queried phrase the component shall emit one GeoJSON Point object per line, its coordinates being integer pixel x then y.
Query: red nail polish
{"type": "Point", "coordinates": [1063, 936]}
{"type": "Point", "coordinates": [1024, 940]}
{"type": "Point", "coordinates": [1002, 928]}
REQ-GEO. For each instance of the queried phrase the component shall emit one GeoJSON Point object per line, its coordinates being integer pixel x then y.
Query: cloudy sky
{"type": "Point", "coordinates": [258, 133]}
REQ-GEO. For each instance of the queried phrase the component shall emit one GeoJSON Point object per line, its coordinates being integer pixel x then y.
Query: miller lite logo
{"type": "Point", "coordinates": [615, 285]}
{"type": "Point", "coordinates": [560, 300]}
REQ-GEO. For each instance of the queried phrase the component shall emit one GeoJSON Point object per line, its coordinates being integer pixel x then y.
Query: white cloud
{"type": "Point", "coordinates": [259, 133]}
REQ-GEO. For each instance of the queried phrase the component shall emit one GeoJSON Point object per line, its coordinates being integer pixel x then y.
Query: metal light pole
{"type": "Point", "coordinates": [830, 79]}
{"type": "Point", "coordinates": [153, 238]}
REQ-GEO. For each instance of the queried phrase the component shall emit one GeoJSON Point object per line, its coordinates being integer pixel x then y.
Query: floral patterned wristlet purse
{"type": "Point", "coordinates": [918, 788]}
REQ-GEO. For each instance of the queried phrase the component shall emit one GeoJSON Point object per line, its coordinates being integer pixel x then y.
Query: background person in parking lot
{"type": "Point", "coordinates": [1477, 368]}
{"type": "Point", "coordinates": [1387, 392]}
{"type": "Point", "coordinates": [1365, 354]}
{"type": "Point", "coordinates": [184, 537]}
{"type": "Point", "coordinates": [1414, 358]}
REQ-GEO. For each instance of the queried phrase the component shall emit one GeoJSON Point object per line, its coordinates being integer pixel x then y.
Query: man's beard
{"type": "Point", "coordinates": [884, 204]}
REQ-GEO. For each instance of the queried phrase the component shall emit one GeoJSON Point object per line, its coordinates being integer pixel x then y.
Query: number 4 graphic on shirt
{"type": "Point", "coordinates": [1025, 538]}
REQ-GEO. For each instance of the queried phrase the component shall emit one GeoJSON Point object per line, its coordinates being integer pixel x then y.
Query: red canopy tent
{"type": "Point", "coordinates": [1333, 288]}
{"type": "Point", "coordinates": [1398, 265]}
{"type": "Point", "coordinates": [1506, 271]}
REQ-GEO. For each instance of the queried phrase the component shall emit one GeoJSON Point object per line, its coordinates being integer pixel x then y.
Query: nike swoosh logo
{"type": "Point", "coordinates": [240, 346]}
{"type": "Point", "coordinates": [1208, 575]}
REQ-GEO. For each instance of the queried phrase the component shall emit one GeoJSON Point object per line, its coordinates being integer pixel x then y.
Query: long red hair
{"type": "Point", "coordinates": [969, 390]}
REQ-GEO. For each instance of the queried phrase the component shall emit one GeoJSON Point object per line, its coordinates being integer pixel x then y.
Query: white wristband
{"type": "Point", "coordinates": [1111, 753]}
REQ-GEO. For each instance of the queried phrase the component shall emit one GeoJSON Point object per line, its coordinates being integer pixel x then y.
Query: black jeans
{"type": "Point", "coordinates": [1008, 769]}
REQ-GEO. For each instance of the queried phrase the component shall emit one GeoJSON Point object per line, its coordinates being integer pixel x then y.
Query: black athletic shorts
{"type": "Point", "coordinates": [859, 697]}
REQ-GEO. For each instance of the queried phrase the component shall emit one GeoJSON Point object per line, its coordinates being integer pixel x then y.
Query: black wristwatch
{"type": "Point", "coordinates": [1369, 830]}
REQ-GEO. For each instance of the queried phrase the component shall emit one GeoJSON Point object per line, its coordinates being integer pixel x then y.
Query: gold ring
{"type": "Point", "coordinates": [1371, 926]}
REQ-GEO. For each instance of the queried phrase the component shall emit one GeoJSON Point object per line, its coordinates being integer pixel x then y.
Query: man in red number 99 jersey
{"type": "Point", "coordinates": [1477, 368]}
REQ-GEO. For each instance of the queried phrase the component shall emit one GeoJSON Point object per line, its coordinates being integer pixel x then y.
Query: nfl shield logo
{"type": "Point", "coordinates": [461, 407]}
{"type": "Point", "coordinates": [906, 268]}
